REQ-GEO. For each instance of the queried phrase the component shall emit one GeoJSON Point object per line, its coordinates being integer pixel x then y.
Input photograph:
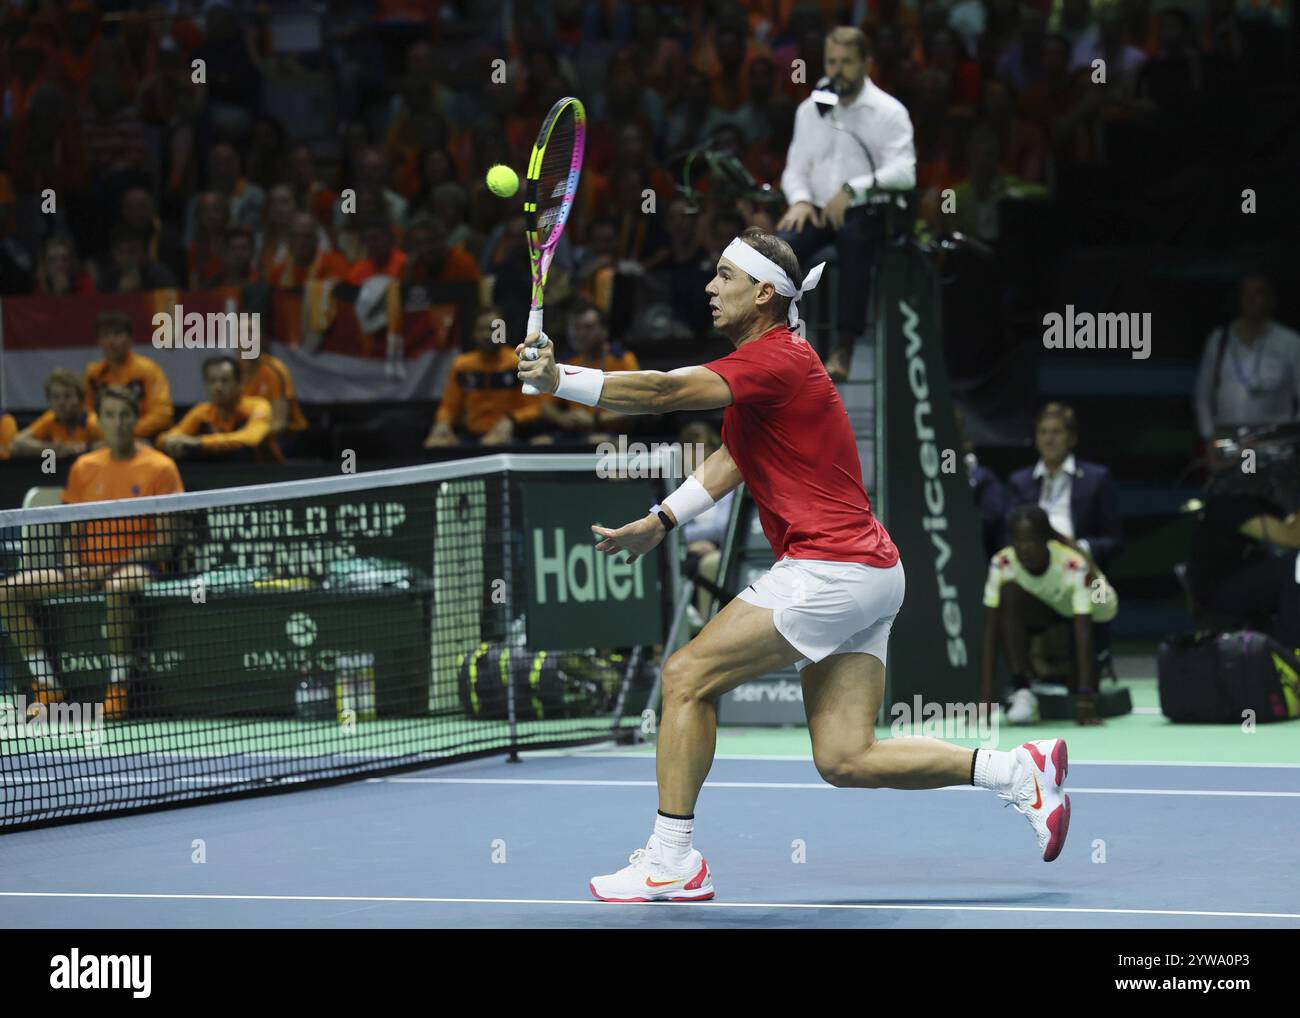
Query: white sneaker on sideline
{"type": "Point", "coordinates": [1023, 709]}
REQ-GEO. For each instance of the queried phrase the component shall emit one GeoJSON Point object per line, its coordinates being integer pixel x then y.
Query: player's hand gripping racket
{"type": "Point", "coordinates": [553, 172]}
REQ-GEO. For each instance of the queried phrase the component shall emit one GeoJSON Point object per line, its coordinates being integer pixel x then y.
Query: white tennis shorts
{"type": "Point", "coordinates": [826, 608]}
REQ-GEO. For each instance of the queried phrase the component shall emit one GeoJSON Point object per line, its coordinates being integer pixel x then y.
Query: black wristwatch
{"type": "Point", "coordinates": [664, 518]}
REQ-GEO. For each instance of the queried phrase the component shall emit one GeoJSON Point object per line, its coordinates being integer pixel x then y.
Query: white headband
{"type": "Point", "coordinates": [762, 268]}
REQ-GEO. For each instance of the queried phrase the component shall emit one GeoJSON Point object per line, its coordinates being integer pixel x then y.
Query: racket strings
{"type": "Point", "coordinates": [553, 179]}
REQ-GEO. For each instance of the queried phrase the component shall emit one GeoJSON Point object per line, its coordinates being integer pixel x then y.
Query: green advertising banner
{"type": "Point", "coordinates": [245, 653]}
{"type": "Point", "coordinates": [923, 496]}
{"type": "Point", "coordinates": [317, 537]}
{"type": "Point", "coordinates": [576, 596]}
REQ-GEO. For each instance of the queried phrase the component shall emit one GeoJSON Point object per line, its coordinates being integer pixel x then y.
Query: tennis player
{"type": "Point", "coordinates": [826, 606]}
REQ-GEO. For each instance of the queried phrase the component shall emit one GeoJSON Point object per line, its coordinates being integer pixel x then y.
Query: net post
{"type": "Point", "coordinates": [512, 721]}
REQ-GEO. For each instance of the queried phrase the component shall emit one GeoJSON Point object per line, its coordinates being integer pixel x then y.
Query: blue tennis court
{"type": "Point", "coordinates": [491, 844]}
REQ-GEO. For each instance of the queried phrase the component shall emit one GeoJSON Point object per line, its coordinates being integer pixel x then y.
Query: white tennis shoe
{"type": "Point", "coordinates": [1036, 791]}
{"type": "Point", "coordinates": [648, 878]}
{"type": "Point", "coordinates": [1023, 709]}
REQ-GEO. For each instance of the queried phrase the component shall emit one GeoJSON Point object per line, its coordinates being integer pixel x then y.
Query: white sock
{"type": "Point", "coordinates": [994, 768]}
{"type": "Point", "coordinates": [674, 839]}
{"type": "Point", "coordinates": [117, 668]}
{"type": "Point", "coordinates": [41, 669]}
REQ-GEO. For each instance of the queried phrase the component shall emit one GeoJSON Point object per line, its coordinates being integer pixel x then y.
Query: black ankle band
{"type": "Point", "coordinates": [674, 816]}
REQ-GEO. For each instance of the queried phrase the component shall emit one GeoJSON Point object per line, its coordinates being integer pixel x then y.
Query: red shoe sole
{"type": "Point", "coordinates": [1059, 826]}
{"type": "Point", "coordinates": [637, 901]}
{"type": "Point", "coordinates": [1059, 822]}
{"type": "Point", "coordinates": [1061, 761]}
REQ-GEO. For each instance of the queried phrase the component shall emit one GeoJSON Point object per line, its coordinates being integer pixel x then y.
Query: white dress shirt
{"type": "Point", "coordinates": [1257, 385]}
{"type": "Point", "coordinates": [822, 158]}
{"type": "Point", "coordinates": [1054, 495]}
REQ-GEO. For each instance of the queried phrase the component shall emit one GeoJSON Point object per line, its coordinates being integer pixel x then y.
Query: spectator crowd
{"type": "Point", "coordinates": [221, 145]}
{"type": "Point", "coordinates": [225, 146]}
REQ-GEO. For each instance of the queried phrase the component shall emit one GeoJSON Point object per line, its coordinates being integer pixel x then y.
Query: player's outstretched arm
{"type": "Point", "coordinates": [661, 392]}
{"type": "Point", "coordinates": [716, 476]}
{"type": "Point", "coordinates": [624, 392]}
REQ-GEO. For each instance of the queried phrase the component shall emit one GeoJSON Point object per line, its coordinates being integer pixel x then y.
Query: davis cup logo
{"type": "Point", "coordinates": [300, 629]}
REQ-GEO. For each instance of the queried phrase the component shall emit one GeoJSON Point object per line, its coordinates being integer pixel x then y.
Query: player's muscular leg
{"type": "Point", "coordinates": [842, 695]}
{"type": "Point", "coordinates": [739, 643]}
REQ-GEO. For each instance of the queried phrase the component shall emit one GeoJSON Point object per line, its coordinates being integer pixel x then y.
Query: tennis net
{"type": "Point", "coordinates": [169, 650]}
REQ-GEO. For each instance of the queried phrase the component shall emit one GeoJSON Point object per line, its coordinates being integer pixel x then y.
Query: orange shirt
{"type": "Point", "coordinates": [272, 381]}
{"type": "Point", "coordinates": [97, 477]}
{"type": "Point", "coordinates": [483, 389]}
{"type": "Point", "coordinates": [321, 203]}
{"type": "Point", "coordinates": [8, 429]}
{"type": "Point", "coordinates": [624, 362]}
{"type": "Point", "coordinates": [289, 274]}
{"type": "Point", "coordinates": [365, 268]}
{"type": "Point", "coordinates": [48, 428]}
{"type": "Point", "coordinates": [143, 377]}
{"type": "Point", "coordinates": [79, 67]}
{"type": "Point", "coordinates": [204, 265]}
{"type": "Point", "coordinates": [458, 266]}
{"type": "Point", "coordinates": [595, 197]}
{"type": "Point", "coordinates": [247, 426]}
{"type": "Point", "coordinates": [274, 257]}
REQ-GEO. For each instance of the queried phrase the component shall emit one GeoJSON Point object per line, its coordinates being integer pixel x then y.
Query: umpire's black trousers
{"type": "Point", "coordinates": [857, 243]}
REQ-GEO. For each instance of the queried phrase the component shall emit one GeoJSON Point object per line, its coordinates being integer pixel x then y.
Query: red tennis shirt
{"type": "Point", "coordinates": [789, 434]}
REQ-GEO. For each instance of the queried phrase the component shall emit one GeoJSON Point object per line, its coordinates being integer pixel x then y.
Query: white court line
{"type": "Point", "coordinates": [810, 784]}
{"type": "Point", "coordinates": [649, 754]}
{"type": "Point", "coordinates": [697, 904]}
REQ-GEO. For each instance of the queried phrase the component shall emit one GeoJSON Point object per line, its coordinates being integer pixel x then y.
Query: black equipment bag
{"type": "Point", "coordinates": [547, 684]}
{"type": "Point", "coordinates": [1217, 677]}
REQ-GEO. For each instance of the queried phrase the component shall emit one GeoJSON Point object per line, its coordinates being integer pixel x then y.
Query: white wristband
{"type": "Point", "coordinates": [688, 501]}
{"type": "Point", "coordinates": [581, 385]}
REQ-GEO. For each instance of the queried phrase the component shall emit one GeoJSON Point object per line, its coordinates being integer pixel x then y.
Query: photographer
{"type": "Point", "coordinates": [1250, 370]}
{"type": "Point", "coordinates": [1236, 579]}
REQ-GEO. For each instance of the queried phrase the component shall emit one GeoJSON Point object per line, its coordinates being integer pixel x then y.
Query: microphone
{"type": "Point", "coordinates": [825, 96]}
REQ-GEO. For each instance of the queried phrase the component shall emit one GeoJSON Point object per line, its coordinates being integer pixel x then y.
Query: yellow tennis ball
{"type": "Point", "coordinates": [502, 181]}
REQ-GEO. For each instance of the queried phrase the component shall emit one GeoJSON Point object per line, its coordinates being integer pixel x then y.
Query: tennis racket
{"type": "Point", "coordinates": [553, 171]}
